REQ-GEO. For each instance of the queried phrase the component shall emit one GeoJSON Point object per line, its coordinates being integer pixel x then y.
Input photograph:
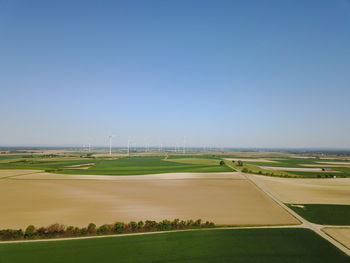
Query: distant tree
{"type": "Point", "coordinates": [198, 222]}
{"type": "Point", "coordinates": [132, 226]}
{"type": "Point", "coordinates": [119, 227]}
{"type": "Point", "coordinates": [150, 225]}
{"type": "Point", "coordinates": [233, 161]}
{"type": "Point", "coordinates": [222, 163]}
{"type": "Point", "coordinates": [140, 224]}
{"type": "Point", "coordinates": [55, 229]}
{"type": "Point", "coordinates": [8, 234]}
{"type": "Point", "coordinates": [104, 229]}
{"type": "Point", "coordinates": [240, 163]}
{"type": "Point", "coordinates": [83, 231]}
{"type": "Point", "coordinates": [91, 228]}
{"type": "Point", "coordinates": [29, 232]}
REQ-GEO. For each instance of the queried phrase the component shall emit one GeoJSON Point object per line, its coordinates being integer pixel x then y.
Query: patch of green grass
{"type": "Point", "coordinates": [296, 163]}
{"type": "Point", "coordinates": [121, 166]}
{"type": "Point", "coordinates": [216, 246]}
{"type": "Point", "coordinates": [145, 165]}
{"type": "Point", "coordinates": [195, 161]}
{"type": "Point", "coordinates": [324, 214]}
{"type": "Point", "coordinates": [9, 157]}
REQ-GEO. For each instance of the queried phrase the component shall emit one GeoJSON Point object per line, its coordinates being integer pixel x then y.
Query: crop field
{"type": "Point", "coordinates": [308, 191]}
{"type": "Point", "coordinates": [120, 166]}
{"type": "Point", "coordinates": [245, 246]}
{"type": "Point", "coordinates": [223, 198]}
{"type": "Point", "coordinates": [324, 214]}
{"type": "Point", "coordinates": [341, 234]}
{"type": "Point", "coordinates": [295, 167]}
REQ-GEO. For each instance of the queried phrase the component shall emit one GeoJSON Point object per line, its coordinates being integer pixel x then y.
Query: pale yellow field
{"type": "Point", "coordinates": [308, 191]}
{"type": "Point", "coordinates": [7, 173]}
{"type": "Point", "coordinates": [342, 235]}
{"type": "Point", "coordinates": [295, 169]}
{"type": "Point", "coordinates": [223, 199]}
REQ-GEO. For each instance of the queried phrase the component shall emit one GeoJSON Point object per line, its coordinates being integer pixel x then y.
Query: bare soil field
{"type": "Point", "coordinates": [308, 191]}
{"type": "Point", "coordinates": [342, 235]}
{"type": "Point", "coordinates": [295, 169]}
{"type": "Point", "coordinates": [336, 163]}
{"type": "Point", "coordinates": [166, 176]}
{"type": "Point", "coordinates": [324, 165]}
{"type": "Point", "coordinates": [7, 173]}
{"type": "Point", "coordinates": [222, 198]}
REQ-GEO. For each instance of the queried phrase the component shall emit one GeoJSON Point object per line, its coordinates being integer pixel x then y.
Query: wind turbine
{"type": "Point", "coordinates": [110, 144]}
{"type": "Point", "coordinates": [129, 146]}
{"type": "Point", "coordinates": [184, 145]}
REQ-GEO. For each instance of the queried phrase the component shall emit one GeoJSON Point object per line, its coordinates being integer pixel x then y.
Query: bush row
{"type": "Point", "coordinates": [59, 230]}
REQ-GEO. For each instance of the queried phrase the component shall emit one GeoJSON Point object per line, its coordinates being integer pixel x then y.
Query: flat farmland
{"type": "Point", "coordinates": [226, 199]}
{"type": "Point", "coordinates": [308, 191]}
{"type": "Point", "coordinates": [340, 234]}
{"type": "Point", "coordinates": [12, 173]}
{"type": "Point", "coordinates": [118, 166]}
{"type": "Point", "coordinates": [204, 246]}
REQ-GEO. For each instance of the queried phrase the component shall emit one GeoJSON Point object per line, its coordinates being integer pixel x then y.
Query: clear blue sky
{"type": "Point", "coordinates": [223, 73]}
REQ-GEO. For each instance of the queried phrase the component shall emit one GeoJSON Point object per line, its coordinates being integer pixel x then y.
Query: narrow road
{"type": "Point", "coordinates": [304, 223]}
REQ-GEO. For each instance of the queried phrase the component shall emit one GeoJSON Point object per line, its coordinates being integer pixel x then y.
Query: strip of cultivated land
{"type": "Point", "coordinates": [308, 191]}
{"type": "Point", "coordinates": [342, 235]}
{"type": "Point", "coordinates": [248, 246]}
{"type": "Point", "coordinates": [294, 167]}
{"type": "Point", "coordinates": [324, 214]}
{"type": "Point", "coordinates": [120, 166]}
{"type": "Point", "coordinates": [226, 199]}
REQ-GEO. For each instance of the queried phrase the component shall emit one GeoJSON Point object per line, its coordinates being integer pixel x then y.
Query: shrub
{"type": "Point", "coordinates": [104, 229]}
{"type": "Point", "coordinates": [132, 226]}
{"type": "Point", "coordinates": [30, 232]}
{"type": "Point", "coordinates": [91, 229]}
{"type": "Point", "coordinates": [140, 225]}
{"type": "Point", "coordinates": [150, 225]}
{"type": "Point", "coordinates": [10, 234]}
{"type": "Point", "coordinates": [119, 227]}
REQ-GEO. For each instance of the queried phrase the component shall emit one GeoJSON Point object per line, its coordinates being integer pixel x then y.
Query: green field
{"type": "Point", "coordinates": [295, 163]}
{"type": "Point", "coordinates": [324, 214]}
{"type": "Point", "coordinates": [239, 246]}
{"type": "Point", "coordinates": [160, 164]}
{"type": "Point", "coordinates": [121, 166]}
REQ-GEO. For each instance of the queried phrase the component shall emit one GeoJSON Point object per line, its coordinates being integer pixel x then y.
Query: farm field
{"type": "Point", "coordinates": [324, 214]}
{"type": "Point", "coordinates": [248, 246]}
{"type": "Point", "coordinates": [340, 234]}
{"type": "Point", "coordinates": [308, 191]}
{"type": "Point", "coordinates": [223, 198]}
{"type": "Point", "coordinates": [120, 166]}
{"type": "Point", "coordinates": [295, 167]}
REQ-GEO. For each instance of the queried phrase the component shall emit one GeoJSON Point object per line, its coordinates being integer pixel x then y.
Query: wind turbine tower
{"type": "Point", "coordinates": [129, 146]}
{"type": "Point", "coordinates": [184, 145]}
{"type": "Point", "coordinates": [110, 144]}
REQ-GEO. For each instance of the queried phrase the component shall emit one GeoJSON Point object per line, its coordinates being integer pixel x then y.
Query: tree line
{"type": "Point", "coordinates": [61, 231]}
